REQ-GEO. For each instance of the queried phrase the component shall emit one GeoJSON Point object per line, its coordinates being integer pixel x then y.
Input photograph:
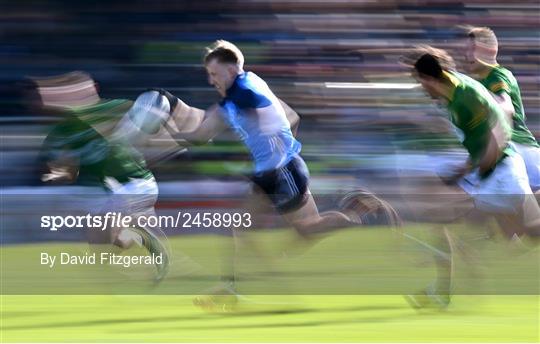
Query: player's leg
{"type": "Point", "coordinates": [258, 206]}
{"type": "Point", "coordinates": [308, 221]}
{"type": "Point", "coordinates": [224, 297]}
{"type": "Point", "coordinates": [531, 158]}
{"type": "Point", "coordinates": [509, 189]}
{"type": "Point", "coordinates": [526, 221]}
{"type": "Point", "coordinates": [504, 191]}
{"type": "Point", "coordinates": [288, 190]}
{"type": "Point", "coordinates": [96, 203]}
{"type": "Point", "coordinates": [438, 294]}
{"type": "Point", "coordinates": [450, 205]}
{"type": "Point", "coordinates": [444, 262]}
{"type": "Point", "coordinates": [137, 199]}
{"type": "Point", "coordinates": [283, 190]}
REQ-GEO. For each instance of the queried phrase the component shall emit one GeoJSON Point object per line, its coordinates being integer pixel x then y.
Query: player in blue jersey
{"type": "Point", "coordinates": [266, 126]}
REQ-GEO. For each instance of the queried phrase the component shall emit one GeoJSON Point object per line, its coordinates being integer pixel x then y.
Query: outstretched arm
{"type": "Point", "coordinates": [505, 102]}
{"type": "Point", "coordinates": [210, 123]}
{"type": "Point", "coordinates": [497, 141]}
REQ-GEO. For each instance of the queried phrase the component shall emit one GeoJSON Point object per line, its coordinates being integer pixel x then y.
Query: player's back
{"type": "Point", "coordinates": [475, 112]}
{"type": "Point", "coordinates": [258, 118]}
{"type": "Point", "coordinates": [97, 156]}
{"type": "Point", "coordinates": [501, 80]}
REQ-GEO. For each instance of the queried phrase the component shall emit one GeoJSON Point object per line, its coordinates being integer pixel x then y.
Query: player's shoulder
{"type": "Point", "coordinates": [503, 71]}
{"type": "Point", "coordinates": [469, 87]}
{"type": "Point", "coordinates": [103, 106]}
{"type": "Point", "coordinates": [470, 93]}
{"type": "Point", "coordinates": [248, 91]}
{"type": "Point", "coordinates": [249, 82]}
{"type": "Point", "coordinates": [104, 111]}
{"type": "Point", "coordinates": [461, 80]}
{"type": "Point", "coordinates": [501, 74]}
{"type": "Point", "coordinates": [500, 79]}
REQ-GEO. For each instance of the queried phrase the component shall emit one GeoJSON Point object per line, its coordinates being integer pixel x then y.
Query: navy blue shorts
{"type": "Point", "coordinates": [286, 186]}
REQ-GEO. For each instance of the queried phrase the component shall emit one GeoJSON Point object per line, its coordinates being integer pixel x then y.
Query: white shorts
{"type": "Point", "coordinates": [135, 198]}
{"type": "Point", "coordinates": [531, 156]}
{"type": "Point", "coordinates": [504, 191]}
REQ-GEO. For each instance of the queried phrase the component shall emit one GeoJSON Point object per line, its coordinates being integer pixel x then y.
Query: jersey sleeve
{"type": "Point", "coordinates": [246, 98]}
{"type": "Point", "coordinates": [498, 84]}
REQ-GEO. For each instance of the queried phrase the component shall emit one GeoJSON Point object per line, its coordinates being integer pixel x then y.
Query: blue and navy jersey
{"type": "Point", "coordinates": [257, 117]}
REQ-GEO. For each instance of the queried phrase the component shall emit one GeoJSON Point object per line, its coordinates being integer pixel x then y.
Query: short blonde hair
{"type": "Point", "coordinates": [63, 80]}
{"type": "Point", "coordinates": [224, 52]}
{"type": "Point", "coordinates": [484, 36]}
{"type": "Point", "coordinates": [66, 90]}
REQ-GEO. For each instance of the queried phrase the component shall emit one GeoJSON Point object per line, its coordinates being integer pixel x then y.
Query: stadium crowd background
{"type": "Point", "coordinates": [369, 133]}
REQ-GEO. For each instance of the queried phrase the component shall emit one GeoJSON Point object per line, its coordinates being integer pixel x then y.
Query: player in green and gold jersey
{"type": "Point", "coordinates": [494, 174]}
{"type": "Point", "coordinates": [481, 61]}
{"type": "Point", "coordinates": [92, 146]}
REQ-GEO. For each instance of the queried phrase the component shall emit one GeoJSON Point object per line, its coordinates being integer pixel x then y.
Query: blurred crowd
{"type": "Point", "coordinates": [336, 63]}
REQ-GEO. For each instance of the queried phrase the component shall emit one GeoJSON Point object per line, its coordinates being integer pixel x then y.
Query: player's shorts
{"type": "Point", "coordinates": [286, 186]}
{"type": "Point", "coordinates": [135, 198]}
{"type": "Point", "coordinates": [531, 156]}
{"type": "Point", "coordinates": [505, 191]}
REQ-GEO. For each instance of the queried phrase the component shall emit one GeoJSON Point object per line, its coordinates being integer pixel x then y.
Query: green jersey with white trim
{"type": "Point", "coordinates": [501, 80]}
{"type": "Point", "coordinates": [76, 138]}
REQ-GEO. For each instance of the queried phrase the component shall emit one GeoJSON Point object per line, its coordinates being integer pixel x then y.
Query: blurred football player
{"type": "Point", "coordinates": [481, 62]}
{"type": "Point", "coordinates": [266, 126]}
{"type": "Point", "coordinates": [494, 175]}
{"type": "Point", "coordinates": [92, 145]}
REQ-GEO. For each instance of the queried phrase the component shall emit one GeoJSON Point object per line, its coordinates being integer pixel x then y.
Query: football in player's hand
{"type": "Point", "coordinates": [149, 112]}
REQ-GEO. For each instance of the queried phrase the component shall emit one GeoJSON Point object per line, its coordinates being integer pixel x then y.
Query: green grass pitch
{"type": "Point", "coordinates": [347, 288]}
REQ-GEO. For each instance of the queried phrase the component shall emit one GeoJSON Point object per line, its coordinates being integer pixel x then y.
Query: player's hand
{"type": "Point", "coordinates": [59, 175]}
{"type": "Point", "coordinates": [112, 184]}
{"type": "Point", "coordinates": [457, 173]}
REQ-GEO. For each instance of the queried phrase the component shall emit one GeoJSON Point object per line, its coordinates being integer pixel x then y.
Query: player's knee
{"type": "Point", "coordinates": [123, 244]}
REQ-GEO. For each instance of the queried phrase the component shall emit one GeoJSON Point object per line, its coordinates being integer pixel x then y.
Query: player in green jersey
{"type": "Point", "coordinates": [92, 146]}
{"type": "Point", "coordinates": [481, 61]}
{"type": "Point", "coordinates": [494, 175]}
